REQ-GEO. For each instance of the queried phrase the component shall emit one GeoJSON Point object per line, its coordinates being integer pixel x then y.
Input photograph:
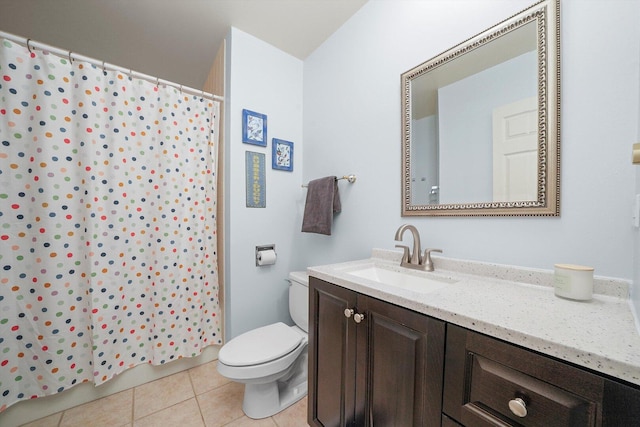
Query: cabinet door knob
{"type": "Point", "coordinates": [348, 312]}
{"type": "Point", "coordinates": [358, 317]}
{"type": "Point", "coordinates": [518, 407]}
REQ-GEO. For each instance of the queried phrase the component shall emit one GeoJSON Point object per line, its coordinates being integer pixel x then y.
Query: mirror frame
{"type": "Point", "coordinates": [547, 15]}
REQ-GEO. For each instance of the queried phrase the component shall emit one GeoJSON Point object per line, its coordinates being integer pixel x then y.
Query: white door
{"type": "Point", "coordinates": [515, 151]}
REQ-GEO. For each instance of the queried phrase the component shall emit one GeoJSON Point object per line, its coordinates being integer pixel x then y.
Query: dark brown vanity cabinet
{"type": "Point", "coordinates": [372, 363]}
{"type": "Point", "coordinates": [489, 382]}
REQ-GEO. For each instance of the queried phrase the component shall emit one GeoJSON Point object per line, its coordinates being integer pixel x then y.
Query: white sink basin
{"type": "Point", "coordinates": [419, 282]}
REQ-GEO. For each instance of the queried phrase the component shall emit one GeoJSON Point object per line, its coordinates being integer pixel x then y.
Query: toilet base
{"type": "Point", "coordinates": [265, 400]}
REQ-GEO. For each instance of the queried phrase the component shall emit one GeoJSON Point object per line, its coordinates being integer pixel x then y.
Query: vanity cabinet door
{"type": "Point", "coordinates": [380, 366]}
{"type": "Point", "coordinates": [621, 405]}
{"type": "Point", "coordinates": [403, 367]}
{"type": "Point", "coordinates": [332, 355]}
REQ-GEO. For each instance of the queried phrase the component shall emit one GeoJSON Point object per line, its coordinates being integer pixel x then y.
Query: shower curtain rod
{"type": "Point", "coordinates": [32, 44]}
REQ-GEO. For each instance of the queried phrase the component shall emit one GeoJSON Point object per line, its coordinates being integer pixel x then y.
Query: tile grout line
{"type": "Point", "coordinates": [62, 417]}
{"type": "Point", "coordinates": [195, 396]}
{"type": "Point", "coordinates": [133, 406]}
{"type": "Point", "coordinates": [133, 420]}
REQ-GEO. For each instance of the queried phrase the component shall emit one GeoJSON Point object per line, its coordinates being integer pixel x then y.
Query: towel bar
{"type": "Point", "coordinates": [351, 178]}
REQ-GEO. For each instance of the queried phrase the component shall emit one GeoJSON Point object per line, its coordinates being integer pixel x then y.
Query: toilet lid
{"type": "Point", "coordinates": [260, 345]}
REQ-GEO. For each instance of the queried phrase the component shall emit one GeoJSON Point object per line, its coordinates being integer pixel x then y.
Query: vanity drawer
{"type": "Point", "coordinates": [493, 389]}
{"type": "Point", "coordinates": [485, 376]}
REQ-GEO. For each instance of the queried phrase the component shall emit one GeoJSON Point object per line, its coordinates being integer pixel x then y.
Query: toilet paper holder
{"type": "Point", "coordinates": [263, 248]}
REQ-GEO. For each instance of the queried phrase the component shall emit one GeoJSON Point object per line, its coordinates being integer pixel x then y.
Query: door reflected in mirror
{"type": "Point", "coordinates": [481, 123]}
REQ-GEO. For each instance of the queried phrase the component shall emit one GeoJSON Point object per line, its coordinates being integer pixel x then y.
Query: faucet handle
{"type": "Point", "coordinates": [405, 254]}
{"type": "Point", "coordinates": [426, 259]}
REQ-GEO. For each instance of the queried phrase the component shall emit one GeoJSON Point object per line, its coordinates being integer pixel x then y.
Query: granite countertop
{"type": "Point", "coordinates": [517, 305]}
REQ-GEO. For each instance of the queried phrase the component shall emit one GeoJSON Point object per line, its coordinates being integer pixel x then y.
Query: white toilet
{"type": "Point", "coordinates": [272, 360]}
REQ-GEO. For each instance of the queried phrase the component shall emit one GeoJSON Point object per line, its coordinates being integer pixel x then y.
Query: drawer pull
{"type": "Point", "coordinates": [518, 407]}
{"type": "Point", "coordinates": [358, 317]}
{"type": "Point", "coordinates": [348, 312]}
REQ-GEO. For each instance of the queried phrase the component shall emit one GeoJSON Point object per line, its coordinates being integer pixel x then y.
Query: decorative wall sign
{"type": "Point", "coordinates": [254, 128]}
{"type": "Point", "coordinates": [255, 180]}
{"type": "Point", "coordinates": [282, 155]}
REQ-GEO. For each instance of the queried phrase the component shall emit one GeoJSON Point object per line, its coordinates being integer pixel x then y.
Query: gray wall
{"type": "Point", "coordinates": [342, 108]}
{"type": "Point", "coordinates": [352, 125]}
{"type": "Point", "coordinates": [266, 80]}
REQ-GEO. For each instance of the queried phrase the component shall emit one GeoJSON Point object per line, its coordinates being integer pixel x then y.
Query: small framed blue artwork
{"type": "Point", "coordinates": [282, 155]}
{"type": "Point", "coordinates": [255, 180]}
{"type": "Point", "coordinates": [254, 128]}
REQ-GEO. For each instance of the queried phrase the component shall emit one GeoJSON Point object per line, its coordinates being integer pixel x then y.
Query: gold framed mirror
{"type": "Point", "coordinates": [481, 123]}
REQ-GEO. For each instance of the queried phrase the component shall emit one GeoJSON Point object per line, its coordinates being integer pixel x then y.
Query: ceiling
{"type": "Point", "coordinates": [175, 40]}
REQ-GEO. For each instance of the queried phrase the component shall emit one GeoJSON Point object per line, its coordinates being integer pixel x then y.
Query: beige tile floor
{"type": "Point", "coordinates": [199, 397]}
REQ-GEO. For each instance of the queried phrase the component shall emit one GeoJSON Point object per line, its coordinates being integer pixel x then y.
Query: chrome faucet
{"type": "Point", "coordinates": [414, 258]}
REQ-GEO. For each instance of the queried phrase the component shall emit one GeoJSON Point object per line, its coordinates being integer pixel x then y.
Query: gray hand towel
{"type": "Point", "coordinates": [322, 201]}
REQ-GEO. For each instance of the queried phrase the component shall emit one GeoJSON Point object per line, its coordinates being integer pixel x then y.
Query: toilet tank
{"type": "Point", "coordinates": [299, 299]}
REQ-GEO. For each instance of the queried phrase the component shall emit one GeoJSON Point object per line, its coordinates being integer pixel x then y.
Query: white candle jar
{"type": "Point", "coordinates": [573, 281]}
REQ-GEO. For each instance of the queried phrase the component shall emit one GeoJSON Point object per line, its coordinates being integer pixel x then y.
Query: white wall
{"type": "Point", "coordinates": [263, 79]}
{"type": "Point", "coordinates": [352, 125]}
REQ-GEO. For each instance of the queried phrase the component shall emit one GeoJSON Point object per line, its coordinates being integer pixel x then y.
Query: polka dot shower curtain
{"type": "Point", "coordinates": [107, 223]}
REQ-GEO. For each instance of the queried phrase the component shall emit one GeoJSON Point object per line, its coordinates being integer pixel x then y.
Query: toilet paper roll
{"type": "Point", "coordinates": [267, 257]}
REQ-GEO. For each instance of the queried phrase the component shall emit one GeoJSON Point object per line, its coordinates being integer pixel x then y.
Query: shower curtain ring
{"type": "Point", "coordinates": [29, 46]}
{"type": "Point", "coordinates": [104, 69]}
{"type": "Point", "coordinates": [157, 82]}
{"type": "Point", "coordinates": [180, 89]}
{"type": "Point", "coordinates": [70, 58]}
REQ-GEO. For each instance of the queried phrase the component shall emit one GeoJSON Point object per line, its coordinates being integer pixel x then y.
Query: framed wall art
{"type": "Point", "coordinates": [254, 128]}
{"type": "Point", "coordinates": [282, 155]}
{"type": "Point", "coordinates": [255, 180]}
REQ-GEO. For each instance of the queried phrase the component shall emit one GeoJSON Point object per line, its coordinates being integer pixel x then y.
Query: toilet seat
{"type": "Point", "coordinates": [260, 345]}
